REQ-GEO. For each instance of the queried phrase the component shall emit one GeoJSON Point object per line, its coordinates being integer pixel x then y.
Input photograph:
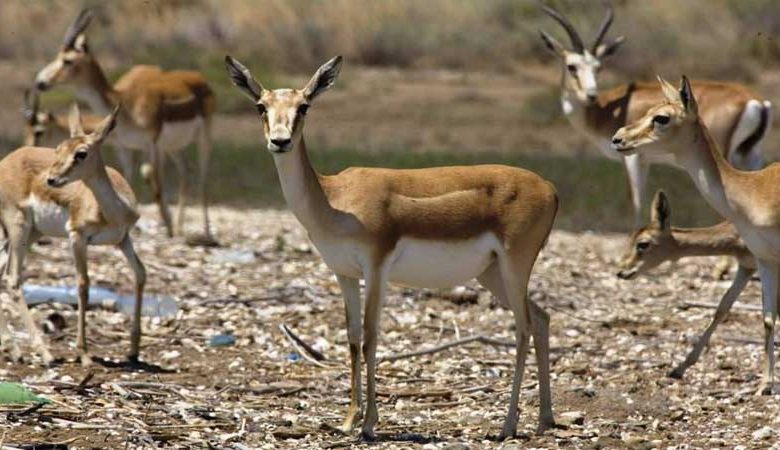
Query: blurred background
{"type": "Point", "coordinates": [424, 82]}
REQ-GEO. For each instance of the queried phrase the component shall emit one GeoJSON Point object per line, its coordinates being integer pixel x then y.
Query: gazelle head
{"type": "Point", "coordinates": [36, 122]}
{"type": "Point", "coordinates": [651, 245]}
{"type": "Point", "coordinates": [283, 111]}
{"type": "Point", "coordinates": [79, 158]}
{"type": "Point", "coordinates": [662, 125]}
{"type": "Point", "coordinates": [581, 64]}
{"type": "Point", "coordinates": [73, 61]}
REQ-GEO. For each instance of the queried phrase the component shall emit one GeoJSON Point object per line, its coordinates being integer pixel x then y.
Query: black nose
{"type": "Point", "coordinates": [617, 140]}
{"type": "Point", "coordinates": [592, 97]}
{"type": "Point", "coordinates": [41, 85]}
{"type": "Point", "coordinates": [281, 143]}
{"type": "Point", "coordinates": [51, 181]}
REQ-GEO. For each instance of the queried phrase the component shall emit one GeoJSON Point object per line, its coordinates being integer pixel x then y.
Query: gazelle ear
{"type": "Point", "coordinates": [686, 96]}
{"type": "Point", "coordinates": [106, 125]}
{"type": "Point", "coordinates": [323, 79]}
{"type": "Point", "coordinates": [552, 44]}
{"type": "Point", "coordinates": [243, 79]}
{"type": "Point", "coordinates": [74, 121]}
{"type": "Point", "coordinates": [670, 92]}
{"type": "Point", "coordinates": [661, 211]}
{"type": "Point", "coordinates": [607, 50]}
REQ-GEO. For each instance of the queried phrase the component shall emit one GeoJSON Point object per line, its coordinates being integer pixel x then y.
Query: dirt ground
{"type": "Point", "coordinates": [613, 343]}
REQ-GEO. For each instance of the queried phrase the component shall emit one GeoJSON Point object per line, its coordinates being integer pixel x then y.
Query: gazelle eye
{"type": "Point", "coordinates": [67, 62]}
{"type": "Point", "coordinates": [661, 120]}
{"type": "Point", "coordinates": [642, 246]}
{"type": "Point", "coordinates": [80, 155]}
{"type": "Point", "coordinates": [572, 69]}
{"type": "Point", "coordinates": [260, 108]}
{"type": "Point", "coordinates": [303, 109]}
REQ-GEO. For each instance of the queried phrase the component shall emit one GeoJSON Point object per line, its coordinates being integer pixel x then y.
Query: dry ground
{"type": "Point", "coordinates": [613, 343]}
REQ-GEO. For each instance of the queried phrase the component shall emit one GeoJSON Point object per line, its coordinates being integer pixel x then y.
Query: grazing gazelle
{"type": "Point", "coordinates": [749, 200]}
{"type": "Point", "coordinates": [659, 242]}
{"type": "Point", "coordinates": [68, 192]}
{"type": "Point", "coordinates": [738, 119]}
{"type": "Point", "coordinates": [434, 227]}
{"type": "Point", "coordinates": [46, 129]}
{"type": "Point", "coordinates": [163, 113]}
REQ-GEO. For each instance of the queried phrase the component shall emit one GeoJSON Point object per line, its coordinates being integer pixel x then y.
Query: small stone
{"type": "Point", "coordinates": [570, 418]}
{"type": "Point", "coordinates": [763, 433]}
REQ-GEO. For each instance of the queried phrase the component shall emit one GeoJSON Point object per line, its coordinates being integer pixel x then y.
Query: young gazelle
{"type": "Point", "coordinates": [68, 192]}
{"type": "Point", "coordinates": [659, 242]}
{"type": "Point", "coordinates": [738, 119]}
{"type": "Point", "coordinates": [45, 129]}
{"type": "Point", "coordinates": [750, 200]}
{"type": "Point", "coordinates": [432, 227]}
{"type": "Point", "coordinates": [163, 113]}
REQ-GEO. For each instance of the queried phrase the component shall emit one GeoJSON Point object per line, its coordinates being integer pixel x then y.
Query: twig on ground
{"type": "Point", "coordinates": [305, 350]}
{"type": "Point", "coordinates": [447, 345]}
{"type": "Point", "coordinates": [715, 306]}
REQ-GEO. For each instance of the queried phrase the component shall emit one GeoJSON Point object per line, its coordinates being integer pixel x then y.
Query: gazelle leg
{"type": "Point", "coordinates": [182, 173]}
{"type": "Point", "coordinates": [18, 237]}
{"type": "Point", "coordinates": [204, 157]}
{"type": "Point", "coordinates": [515, 272]}
{"type": "Point", "coordinates": [375, 294]}
{"type": "Point", "coordinates": [78, 247]}
{"type": "Point", "coordinates": [126, 159]}
{"type": "Point", "coordinates": [540, 327]}
{"type": "Point", "coordinates": [154, 177]}
{"type": "Point", "coordinates": [637, 170]}
{"type": "Point", "coordinates": [140, 281]}
{"type": "Point", "coordinates": [769, 281]}
{"type": "Point", "coordinates": [737, 286]}
{"type": "Point", "coordinates": [6, 336]}
{"type": "Point", "coordinates": [350, 289]}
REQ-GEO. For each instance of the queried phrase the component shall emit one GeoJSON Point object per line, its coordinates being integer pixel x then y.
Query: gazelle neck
{"type": "Point", "coordinates": [699, 155]}
{"type": "Point", "coordinates": [302, 188]}
{"type": "Point", "coordinates": [113, 208]}
{"type": "Point", "coordinates": [97, 91]}
{"type": "Point", "coordinates": [720, 239]}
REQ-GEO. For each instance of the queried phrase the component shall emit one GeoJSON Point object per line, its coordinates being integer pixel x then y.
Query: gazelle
{"type": "Point", "coordinates": [45, 129]}
{"type": "Point", "coordinates": [68, 192]}
{"type": "Point", "coordinates": [163, 113]}
{"type": "Point", "coordinates": [738, 119]}
{"type": "Point", "coordinates": [432, 227]}
{"type": "Point", "coordinates": [659, 242]}
{"type": "Point", "coordinates": [750, 200]}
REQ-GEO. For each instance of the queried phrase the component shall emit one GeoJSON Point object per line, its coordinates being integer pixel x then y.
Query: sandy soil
{"type": "Point", "coordinates": [613, 344]}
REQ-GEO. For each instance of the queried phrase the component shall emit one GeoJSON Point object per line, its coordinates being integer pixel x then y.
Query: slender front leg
{"type": "Point", "coordinates": [140, 281]}
{"type": "Point", "coordinates": [637, 170]}
{"type": "Point", "coordinates": [126, 159]}
{"type": "Point", "coordinates": [154, 177]}
{"type": "Point", "coordinates": [375, 295]}
{"type": "Point", "coordinates": [350, 288]}
{"type": "Point", "coordinates": [769, 278]}
{"type": "Point", "coordinates": [204, 149]}
{"type": "Point", "coordinates": [18, 237]}
{"type": "Point", "coordinates": [737, 286]}
{"type": "Point", "coordinates": [78, 246]}
{"type": "Point", "coordinates": [182, 173]}
{"type": "Point", "coordinates": [540, 323]}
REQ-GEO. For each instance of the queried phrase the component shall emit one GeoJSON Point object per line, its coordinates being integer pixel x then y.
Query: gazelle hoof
{"type": "Point", "coordinates": [367, 436]}
{"type": "Point", "coordinates": [677, 373]}
{"type": "Point", "coordinates": [86, 360]}
{"type": "Point", "coordinates": [202, 240]}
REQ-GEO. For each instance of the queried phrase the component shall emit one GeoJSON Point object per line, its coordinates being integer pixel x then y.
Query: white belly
{"type": "Point", "coordinates": [176, 135]}
{"type": "Point", "coordinates": [50, 219]}
{"type": "Point", "coordinates": [427, 263]}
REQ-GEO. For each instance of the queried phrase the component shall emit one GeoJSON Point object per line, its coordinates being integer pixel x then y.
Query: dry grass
{"type": "Point", "coordinates": [295, 35]}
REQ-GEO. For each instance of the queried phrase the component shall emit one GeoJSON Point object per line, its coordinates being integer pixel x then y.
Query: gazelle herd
{"type": "Point", "coordinates": [434, 227]}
